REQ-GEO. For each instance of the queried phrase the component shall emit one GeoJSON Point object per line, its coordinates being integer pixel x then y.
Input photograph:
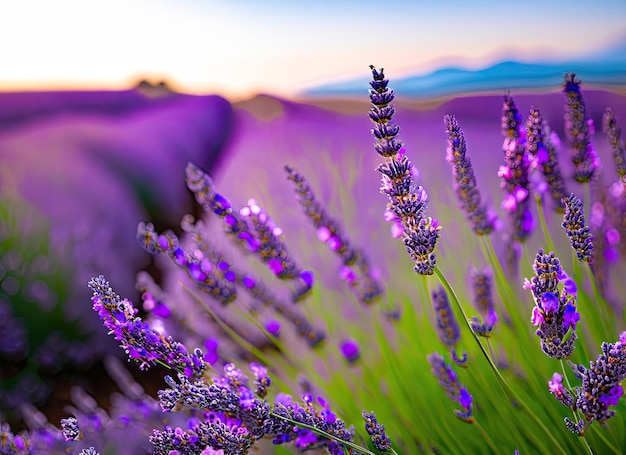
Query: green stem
{"type": "Point", "coordinates": [503, 383]}
{"type": "Point", "coordinates": [501, 279]}
{"type": "Point", "coordinates": [602, 436]}
{"type": "Point", "coordinates": [455, 299]}
{"type": "Point", "coordinates": [232, 333]}
{"type": "Point", "coordinates": [596, 294]}
{"type": "Point", "coordinates": [485, 436]}
{"type": "Point", "coordinates": [322, 433]}
{"type": "Point", "coordinates": [544, 226]}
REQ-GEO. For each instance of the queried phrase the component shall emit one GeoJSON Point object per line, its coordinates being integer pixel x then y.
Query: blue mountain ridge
{"type": "Point", "coordinates": [500, 76]}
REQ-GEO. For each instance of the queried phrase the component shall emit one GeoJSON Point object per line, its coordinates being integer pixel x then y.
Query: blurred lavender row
{"type": "Point", "coordinates": [78, 170]}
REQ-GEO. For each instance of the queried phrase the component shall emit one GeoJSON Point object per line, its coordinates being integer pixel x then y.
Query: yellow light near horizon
{"type": "Point", "coordinates": [227, 47]}
{"type": "Point", "coordinates": [76, 44]}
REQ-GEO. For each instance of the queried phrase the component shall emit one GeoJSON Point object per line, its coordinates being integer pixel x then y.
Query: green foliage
{"type": "Point", "coordinates": [34, 282]}
{"type": "Point", "coordinates": [513, 407]}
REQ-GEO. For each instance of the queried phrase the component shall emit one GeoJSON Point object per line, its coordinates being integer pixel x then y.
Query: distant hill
{"type": "Point", "coordinates": [607, 71]}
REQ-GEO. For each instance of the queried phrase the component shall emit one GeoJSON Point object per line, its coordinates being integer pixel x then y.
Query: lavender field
{"type": "Point", "coordinates": [297, 273]}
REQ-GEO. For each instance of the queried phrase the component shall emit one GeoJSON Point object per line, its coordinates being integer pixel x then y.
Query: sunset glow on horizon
{"type": "Point", "coordinates": [240, 47]}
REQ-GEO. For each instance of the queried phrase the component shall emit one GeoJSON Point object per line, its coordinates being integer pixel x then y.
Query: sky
{"type": "Point", "coordinates": [240, 47]}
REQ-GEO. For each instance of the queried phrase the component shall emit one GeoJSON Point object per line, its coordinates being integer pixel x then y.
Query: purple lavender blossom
{"type": "Point", "coordinates": [542, 149]}
{"type": "Point", "coordinates": [447, 326]}
{"type": "Point", "coordinates": [330, 232]}
{"type": "Point", "coordinates": [271, 248]}
{"type": "Point", "coordinates": [514, 173]}
{"type": "Point", "coordinates": [483, 302]}
{"type": "Point", "coordinates": [241, 416]}
{"type": "Point", "coordinates": [578, 131]}
{"type": "Point", "coordinates": [555, 311]}
{"type": "Point", "coordinates": [555, 385]}
{"type": "Point", "coordinates": [71, 432]}
{"type": "Point", "coordinates": [377, 432]}
{"type": "Point", "coordinates": [614, 135]}
{"type": "Point", "coordinates": [252, 230]}
{"type": "Point", "coordinates": [208, 275]}
{"type": "Point", "coordinates": [579, 235]}
{"type": "Point", "coordinates": [600, 387]}
{"type": "Point", "coordinates": [485, 327]}
{"type": "Point", "coordinates": [237, 418]}
{"type": "Point", "coordinates": [456, 391]}
{"type": "Point", "coordinates": [142, 344]}
{"type": "Point", "coordinates": [406, 200]}
{"type": "Point", "coordinates": [13, 443]}
{"type": "Point", "coordinates": [350, 351]}
{"type": "Point", "coordinates": [481, 222]}
{"type": "Point", "coordinates": [215, 276]}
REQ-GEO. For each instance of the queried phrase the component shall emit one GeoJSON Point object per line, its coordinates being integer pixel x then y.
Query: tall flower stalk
{"type": "Point", "coordinates": [543, 150]}
{"type": "Point", "coordinates": [406, 200]}
{"type": "Point", "coordinates": [578, 130]}
{"type": "Point", "coordinates": [481, 221]}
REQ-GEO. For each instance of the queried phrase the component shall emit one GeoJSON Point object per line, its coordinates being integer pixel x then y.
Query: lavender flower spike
{"type": "Point", "coordinates": [329, 231]}
{"type": "Point", "coordinates": [252, 230]}
{"type": "Point", "coordinates": [235, 418]}
{"type": "Point", "coordinates": [574, 224]}
{"type": "Point", "coordinates": [456, 391]}
{"type": "Point", "coordinates": [465, 181]}
{"type": "Point", "coordinates": [542, 149]}
{"type": "Point", "coordinates": [206, 274]}
{"type": "Point", "coordinates": [483, 302]}
{"type": "Point", "coordinates": [377, 432]}
{"type": "Point", "coordinates": [614, 135]}
{"type": "Point", "coordinates": [578, 131]}
{"type": "Point", "coordinates": [554, 312]}
{"type": "Point", "coordinates": [141, 343]}
{"type": "Point", "coordinates": [71, 432]}
{"type": "Point", "coordinates": [600, 386]}
{"type": "Point", "coordinates": [447, 327]}
{"type": "Point", "coordinates": [406, 200]}
{"type": "Point", "coordinates": [514, 173]}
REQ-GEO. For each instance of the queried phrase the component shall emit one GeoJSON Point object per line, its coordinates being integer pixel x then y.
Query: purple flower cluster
{"type": "Point", "coordinates": [252, 230]}
{"type": "Point", "coordinates": [456, 391]}
{"type": "Point", "coordinates": [481, 221]}
{"type": "Point", "coordinates": [235, 416]}
{"type": "Point", "coordinates": [579, 235]}
{"type": "Point", "coordinates": [406, 200]}
{"type": "Point", "coordinates": [329, 231]}
{"type": "Point", "coordinates": [600, 388]}
{"type": "Point", "coordinates": [14, 443]}
{"type": "Point", "coordinates": [542, 149]}
{"type": "Point", "coordinates": [447, 327]}
{"type": "Point", "coordinates": [213, 278]}
{"type": "Point", "coordinates": [614, 135]}
{"type": "Point", "coordinates": [555, 312]}
{"type": "Point", "coordinates": [376, 431]}
{"type": "Point", "coordinates": [483, 301]}
{"type": "Point", "coordinates": [214, 275]}
{"type": "Point", "coordinates": [578, 129]}
{"type": "Point", "coordinates": [71, 432]}
{"type": "Point", "coordinates": [230, 411]}
{"type": "Point", "coordinates": [514, 172]}
{"type": "Point", "coordinates": [143, 344]}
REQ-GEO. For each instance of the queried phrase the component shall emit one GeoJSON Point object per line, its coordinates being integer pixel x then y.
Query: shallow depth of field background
{"type": "Point", "coordinates": [102, 105]}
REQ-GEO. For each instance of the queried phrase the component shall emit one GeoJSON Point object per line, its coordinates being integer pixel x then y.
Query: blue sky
{"type": "Point", "coordinates": [237, 47]}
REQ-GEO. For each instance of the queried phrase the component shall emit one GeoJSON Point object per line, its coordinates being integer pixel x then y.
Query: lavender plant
{"type": "Point", "coordinates": [234, 292]}
{"type": "Point", "coordinates": [578, 129]}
